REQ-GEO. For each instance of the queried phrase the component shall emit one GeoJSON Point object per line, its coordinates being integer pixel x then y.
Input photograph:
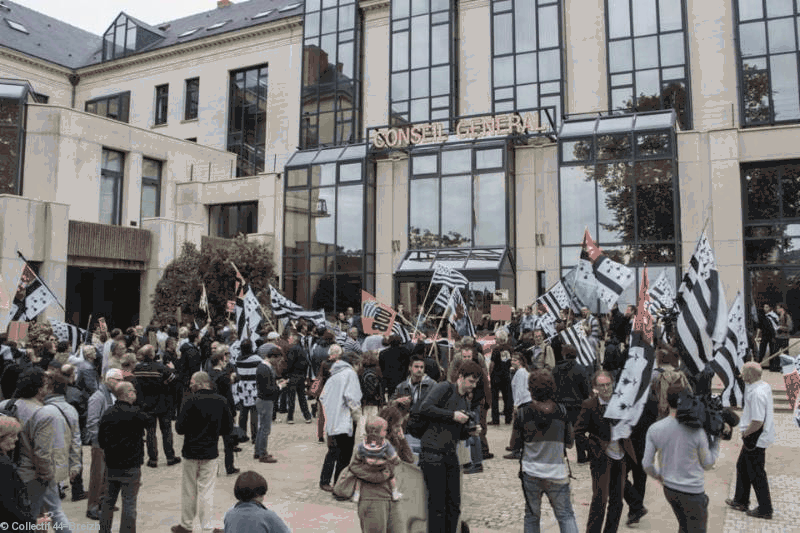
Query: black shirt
{"type": "Point", "coordinates": [203, 418]}
{"type": "Point", "coordinates": [443, 432]}
{"type": "Point", "coordinates": [121, 435]}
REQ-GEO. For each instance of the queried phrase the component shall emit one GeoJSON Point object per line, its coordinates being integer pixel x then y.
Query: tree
{"type": "Point", "coordinates": [181, 285]}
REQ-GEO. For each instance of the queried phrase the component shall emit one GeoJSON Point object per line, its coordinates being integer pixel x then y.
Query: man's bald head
{"type": "Point", "coordinates": [125, 392]}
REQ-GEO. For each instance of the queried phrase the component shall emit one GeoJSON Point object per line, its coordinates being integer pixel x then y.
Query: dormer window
{"type": "Point", "coordinates": [188, 33]}
{"type": "Point", "coordinates": [290, 7]}
{"type": "Point", "coordinates": [126, 36]}
{"type": "Point", "coordinates": [17, 26]}
{"type": "Point", "coordinates": [262, 14]}
{"type": "Point", "coordinates": [217, 25]}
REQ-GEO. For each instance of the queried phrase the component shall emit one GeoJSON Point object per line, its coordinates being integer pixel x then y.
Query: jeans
{"type": "Point", "coordinates": [253, 420]}
{"type": "Point", "coordinates": [127, 480]}
{"type": "Point", "coordinates": [750, 473]}
{"type": "Point", "coordinates": [264, 408]}
{"type": "Point", "coordinates": [608, 484]}
{"type": "Point", "coordinates": [559, 496]}
{"type": "Point", "coordinates": [442, 481]}
{"type": "Point", "coordinates": [44, 497]}
{"type": "Point", "coordinates": [297, 386]}
{"type": "Point", "coordinates": [165, 425]}
{"type": "Point", "coordinates": [691, 510]}
{"type": "Point", "coordinates": [340, 450]}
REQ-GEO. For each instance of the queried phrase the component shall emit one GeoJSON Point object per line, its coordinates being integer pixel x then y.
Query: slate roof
{"type": "Point", "coordinates": [58, 42]}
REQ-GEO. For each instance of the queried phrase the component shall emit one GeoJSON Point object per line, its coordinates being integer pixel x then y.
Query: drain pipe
{"type": "Point", "coordinates": [74, 79]}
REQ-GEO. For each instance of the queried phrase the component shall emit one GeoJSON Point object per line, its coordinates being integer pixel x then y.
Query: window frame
{"type": "Point", "coordinates": [161, 108]}
{"type": "Point", "coordinates": [192, 100]}
{"type": "Point", "coordinates": [153, 181]}
{"type": "Point", "coordinates": [236, 141]}
{"type": "Point", "coordinates": [119, 178]}
{"type": "Point", "coordinates": [123, 104]}
{"type": "Point", "coordinates": [238, 206]}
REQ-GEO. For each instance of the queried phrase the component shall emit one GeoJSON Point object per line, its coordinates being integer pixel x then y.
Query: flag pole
{"type": "Point", "coordinates": [792, 345]}
{"type": "Point", "coordinates": [88, 325]}
{"type": "Point", "coordinates": [427, 293]}
{"type": "Point", "coordinates": [41, 281]}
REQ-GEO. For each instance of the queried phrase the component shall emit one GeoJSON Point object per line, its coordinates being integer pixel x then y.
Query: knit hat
{"type": "Point", "coordinates": [9, 425]}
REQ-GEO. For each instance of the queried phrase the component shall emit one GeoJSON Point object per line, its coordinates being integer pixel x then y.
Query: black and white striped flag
{"type": "Point", "coordinates": [67, 332]}
{"type": "Point", "coordinates": [702, 319]}
{"type": "Point", "coordinates": [400, 330]}
{"type": "Point", "coordinates": [554, 300]}
{"type": "Point", "coordinates": [576, 336]}
{"type": "Point", "coordinates": [729, 356]}
{"type": "Point", "coordinates": [448, 277]}
{"type": "Point", "coordinates": [282, 307]}
{"type": "Point", "coordinates": [31, 298]}
{"type": "Point", "coordinates": [464, 324]}
{"type": "Point", "coordinates": [662, 295]}
{"type": "Point", "coordinates": [443, 298]}
{"type": "Point", "coordinates": [632, 388]}
{"type": "Point", "coordinates": [598, 281]}
{"type": "Point", "coordinates": [248, 314]}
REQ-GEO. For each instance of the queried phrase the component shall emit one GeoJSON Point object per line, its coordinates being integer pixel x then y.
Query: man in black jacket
{"type": "Point", "coordinates": [191, 360]}
{"type": "Point", "coordinates": [151, 389]}
{"type": "Point", "coordinates": [572, 388]}
{"type": "Point", "coordinates": [203, 418]}
{"type": "Point", "coordinates": [269, 387]}
{"type": "Point", "coordinates": [445, 408]}
{"type": "Point", "coordinates": [296, 369]}
{"type": "Point", "coordinates": [121, 433]}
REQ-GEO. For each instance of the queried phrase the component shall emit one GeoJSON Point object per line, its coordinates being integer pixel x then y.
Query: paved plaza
{"type": "Point", "coordinates": [492, 501]}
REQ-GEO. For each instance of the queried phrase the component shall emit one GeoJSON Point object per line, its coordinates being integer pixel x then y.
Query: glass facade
{"type": "Point", "coordinates": [151, 188]}
{"type": "Point", "coordinates": [162, 104]}
{"type": "Point", "coordinates": [329, 229]}
{"type": "Point", "coordinates": [125, 37]}
{"type": "Point", "coordinates": [423, 71]}
{"type": "Point", "coordinates": [115, 106]}
{"type": "Point", "coordinates": [648, 57]}
{"type": "Point", "coordinates": [229, 220]}
{"type": "Point", "coordinates": [111, 170]}
{"type": "Point", "coordinates": [767, 33]}
{"type": "Point", "coordinates": [331, 94]}
{"type": "Point", "coordinates": [526, 55]}
{"type": "Point", "coordinates": [247, 119]}
{"type": "Point", "coordinates": [623, 186]}
{"type": "Point", "coordinates": [771, 203]}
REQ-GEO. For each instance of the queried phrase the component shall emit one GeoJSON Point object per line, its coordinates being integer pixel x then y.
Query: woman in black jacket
{"type": "Point", "coordinates": [14, 503]}
{"type": "Point", "coordinates": [372, 393]}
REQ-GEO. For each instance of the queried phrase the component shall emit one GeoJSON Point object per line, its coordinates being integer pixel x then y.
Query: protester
{"type": "Point", "coordinates": [99, 403]}
{"type": "Point", "coordinates": [246, 390]}
{"type": "Point", "coordinates": [500, 374]}
{"type": "Point", "coordinates": [341, 399]}
{"type": "Point", "coordinates": [783, 332]}
{"type": "Point", "coordinates": [269, 388]}
{"type": "Point", "coordinates": [684, 454]}
{"type": "Point", "coordinates": [521, 395]}
{"type": "Point", "coordinates": [152, 390]}
{"type": "Point", "coordinates": [445, 409]}
{"type": "Point", "coordinates": [121, 432]}
{"type": "Point", "coordinates": [351, 343]}
{"type": "Point", "coordinates": [758, 432]}
{"type": "Point", "coordinates": [410, 393]}
{"type": "Point", "coordinates": [393, 363]}
{"type": "Point", "coordinates": [249, 515]}
{"type": "Point", "coordinates": [297, 367]}
{"type": "Point", "coordinates": [608, 467]}
{"type": "Point", "coordinates": [221, 375]}
{"type": "Point", "coordinates": [15, 507]}
{"type": "Point", "coordinates": [572, 385]}
{"type": "Point", "coordinates": [543, 430]}
{"type": "Point", "coordinates": [541, 353]}
{"type": "Point", "coordinates": [203, 418]}
{"type": "Point", "coordinates": [373, 396]}
{"type": "Point", "coordinates": [377, 456]}
{"type": "Point", "coordinates": [768, 326]}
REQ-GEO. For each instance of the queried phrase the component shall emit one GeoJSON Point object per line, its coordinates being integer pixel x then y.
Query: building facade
{"type": "Point", "coordinates": [369, 140]}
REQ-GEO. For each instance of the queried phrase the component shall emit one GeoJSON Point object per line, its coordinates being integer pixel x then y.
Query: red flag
{"type": "Point", "coordinates": [591, 249]}
{"type": "Point", "coordinates": [376, 318]}
{"type": "Point", "coordinates": [644, 320]}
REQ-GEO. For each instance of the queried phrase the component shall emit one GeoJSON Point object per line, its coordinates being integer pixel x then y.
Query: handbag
{"type": "Point", "coordinates": [315, 388]}
{"type": "Point", "coordinates": [346, 484]}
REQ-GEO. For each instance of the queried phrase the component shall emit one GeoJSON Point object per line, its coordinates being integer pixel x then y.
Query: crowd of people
{"type": "Point", "coordinates": [380, 403]}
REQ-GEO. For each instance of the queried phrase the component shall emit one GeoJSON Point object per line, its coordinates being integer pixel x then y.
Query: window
{"type": "Point", "coordinates": [459, 198]}
{"type": "Point", "coordinates": [151, 188]}
{"type": "Point", "coordinates": [331, 94]}
{"type": "Point", "coordinates": [17, 26]}
{"type": "Point", "coordinates": [768, 53]}
{"type": "Point", "coordinates": [114, 106]}
{"type": "Point", "coordinates": [771, 203]}
{"type": "Point", "coordinates": [192, 98]}
{"type": "Point", "coordinates": [247, 119]}
{"type": "Point", "coordinates": [647, 57]}
{"type": "Point", "coordinates": [218, 25]}
{"type": "Point", "coordinates": [623, 187]}
{"type": "Point", "coordinates": [526, 55]}
{"type": "Point", "coordinates": [111, 187]}
{"type": "Point", "coordinates": [229, 220]}
{"type": "Point", "coordinates": [41, 98]}
{"type": "Point", "coordinates": [125, 37]}
{"type": "Point", "coordinates": [14, 97]}
{"type": "Point", "coordinates": [188, 33]}
{"type": "Point", "coordinates": [329, 229]}
{"type": "Point", "coordinates": [162, 104]}
{"type": "Point", "coordinates": [422, 84]}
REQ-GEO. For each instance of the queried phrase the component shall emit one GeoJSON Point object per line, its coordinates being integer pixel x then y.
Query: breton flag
{"type": "Point", "coordinates": [377, 318]}
{"type": "Point", "coordinates": [791, 378]}
{"type": "Point", "coordinates": [576, 336]}
{"type": "Point", "coordinates": [401, 331]}
{"type": "Point", "coordinates": [633, 386]}
{"type": "Point", "coordinates": [204, 300]}
{"type": "Point", "coordinates": [248, 314]}
{"type": "Point", "coordinates": [702, 309]}
{"type": "Point", "coordinates": [553, 301]}
{"type": "Point", "coordinates": [598, 281]}
{"type": "Point", "coordinates": [67, 332]}
{"type": "Point", "coordinates": [662, 295]}
{"type": "Point", "coordinates": [282, 307]}
{"type": "Point", "coordinates": [464, 324]}
{"type": "Point", "coordinates": [729, 356]}
{"type": "Point", "coordinates": [448, 277]}
{"type": "Point", "coordinates": [443, 298]}
{"type": "Point", "coordinates": [31, 297]}
{"type": "Point", "coordinates": [340, 335]}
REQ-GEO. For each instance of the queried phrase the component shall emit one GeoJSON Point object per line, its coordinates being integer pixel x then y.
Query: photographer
{"type": "Point", "coordinates": [685, 454]}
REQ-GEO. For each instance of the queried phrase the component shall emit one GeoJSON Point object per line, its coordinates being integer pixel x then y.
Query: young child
{"type": "Point", "coordinates": [378, 453]}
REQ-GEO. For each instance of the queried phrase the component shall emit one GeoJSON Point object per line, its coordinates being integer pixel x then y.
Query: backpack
{"type": "Point", "coordinates": [10, 409]}
{"type": "Point", "coordinates": [417, 424]}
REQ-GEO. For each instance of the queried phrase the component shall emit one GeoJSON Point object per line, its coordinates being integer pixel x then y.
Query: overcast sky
{"type": "Point", "coordinates": [97, 15]}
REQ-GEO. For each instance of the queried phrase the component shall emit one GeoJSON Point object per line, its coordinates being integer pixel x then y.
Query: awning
{"type": "Point", "coordinates": [466, 259]}
{"type": "Point", "coordinates": [327, 155]}
{"type": "Point", "coordinates": [586, 127]}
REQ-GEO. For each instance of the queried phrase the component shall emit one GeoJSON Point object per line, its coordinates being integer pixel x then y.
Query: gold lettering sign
{"type": "Point", "coordinates": [469, 128]}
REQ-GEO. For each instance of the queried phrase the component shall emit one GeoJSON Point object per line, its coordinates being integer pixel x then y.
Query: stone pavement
{"type": "Point", "coordinates": [492, 501]}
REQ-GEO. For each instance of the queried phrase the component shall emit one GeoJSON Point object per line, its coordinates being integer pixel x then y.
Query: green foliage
{"type": "Point", "coordinates": [182, 282]}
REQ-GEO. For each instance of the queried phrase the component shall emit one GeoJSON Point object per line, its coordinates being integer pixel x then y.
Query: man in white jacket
{"type": "Point", "coordinates": [341, 399]}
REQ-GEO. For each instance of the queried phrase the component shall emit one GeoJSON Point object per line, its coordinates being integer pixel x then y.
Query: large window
{"type": "Point", "coordinates": [229, 220]}
{"type": "Point", "coordinates": [125, 37]}
{"type": "Point", "coordinates": [771, 202]}
{"type": "Point", "coordinates": [192, 99]}
{"type": "Point", "coordinates": [14, 96]}
{"type": "Point", "coordinates": [247, 119]}
{"type": "Point", "coordinates": [111, 170]}
{"type": "Point", "coordinates": [162, 104]}
{"type": "Point", "coordinates": [622, 186]}
{"type": "Point", "coordinates": [526, 51]}
{"type": "Point", "coordinates": [329, 230]}
{"type": "Point", "coordinates": [647, 57]}
{"type": "Point", "coordinates": [768, 53]}
{"type": "Point", "coordinates": [114, 106]}
{"type": "Point", "coordinates": [151, 188]}
{"type": "Point", "coordinates": [423, 59]}
{"type": "Point", "coordinates": [459, 198]}
{"type": "Point", "coordinates": [331, 95]}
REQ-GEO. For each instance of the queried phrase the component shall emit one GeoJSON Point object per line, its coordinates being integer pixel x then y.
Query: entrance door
{"type": "Point", "coordinates": [112, 294]}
